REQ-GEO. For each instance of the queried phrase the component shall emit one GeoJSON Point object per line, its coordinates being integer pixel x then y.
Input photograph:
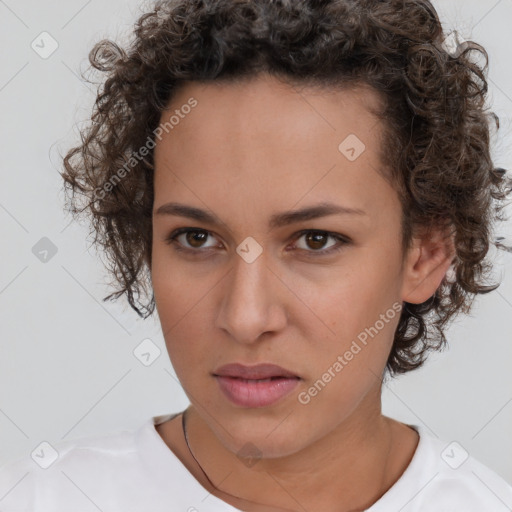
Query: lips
{"type": "Point", "coordinates": [261, 385]}
{"type": "Point", "coordinates": [258, 372]}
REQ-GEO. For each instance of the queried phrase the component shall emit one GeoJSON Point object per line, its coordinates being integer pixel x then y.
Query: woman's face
{"type": "Point", "coordinates": [242, 289]}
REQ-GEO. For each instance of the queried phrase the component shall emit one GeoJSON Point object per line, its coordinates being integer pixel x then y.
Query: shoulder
{"type": "Point", "coordinates": [64, 472]}
{"type": "Point", "coordinates": [122, 471]}
{"type": "Point", "coordinates": [445, 477]}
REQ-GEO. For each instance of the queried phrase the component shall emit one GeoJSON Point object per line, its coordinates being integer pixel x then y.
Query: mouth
{"type": "Point", "coordinates": [261, 385]}
{"type": "Point", "coordinates": [256, 393]}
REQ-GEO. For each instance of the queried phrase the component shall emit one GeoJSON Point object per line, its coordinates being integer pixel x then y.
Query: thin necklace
{"type": "Point", "coordinates": [183, 423]}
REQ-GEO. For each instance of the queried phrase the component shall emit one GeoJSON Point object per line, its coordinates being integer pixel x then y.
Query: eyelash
{"type": "Point", "coordinates": [171, 239]}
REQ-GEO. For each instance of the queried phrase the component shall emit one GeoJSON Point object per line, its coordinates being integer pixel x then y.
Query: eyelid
{"type": "Point", "coordinates": [342, 240]}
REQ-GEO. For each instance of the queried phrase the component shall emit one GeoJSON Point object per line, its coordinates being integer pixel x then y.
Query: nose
{"type": "Point", "coordinates": [251, 304]}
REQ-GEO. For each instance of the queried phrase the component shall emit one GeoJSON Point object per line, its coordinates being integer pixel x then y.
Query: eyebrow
{"type": "Point", "coordinates": [277, 220]}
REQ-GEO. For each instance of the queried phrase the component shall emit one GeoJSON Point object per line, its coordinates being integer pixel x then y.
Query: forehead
{"type": "Point", "coordinates": [270, 143]}
{"type": "Point", "coordinates": [266, 105]}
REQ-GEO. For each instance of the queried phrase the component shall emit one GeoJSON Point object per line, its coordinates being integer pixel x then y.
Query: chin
{"type": "Point", "coordinates": [267, 438]}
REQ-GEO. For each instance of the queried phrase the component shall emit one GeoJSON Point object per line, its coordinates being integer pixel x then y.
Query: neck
{"type": "Point", "coordinates": [349, 467]}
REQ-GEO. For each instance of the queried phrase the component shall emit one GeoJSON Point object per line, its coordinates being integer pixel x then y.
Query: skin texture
{"type": "Point", "coordinates": [245, 152]}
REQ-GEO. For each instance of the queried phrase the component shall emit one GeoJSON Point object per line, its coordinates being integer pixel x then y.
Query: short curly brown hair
{"type": "Point", "coordinates": [436, 123]}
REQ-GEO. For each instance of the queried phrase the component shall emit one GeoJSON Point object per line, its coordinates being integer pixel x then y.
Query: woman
{"type": "Point", "coordinates": [309, 189]}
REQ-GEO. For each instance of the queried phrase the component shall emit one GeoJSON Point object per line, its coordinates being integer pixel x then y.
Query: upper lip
{"type": "Point", "coordinates": [259, 371]}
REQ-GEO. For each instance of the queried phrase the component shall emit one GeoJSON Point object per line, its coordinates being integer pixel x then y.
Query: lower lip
{"type": "Point", "coordinates": [254, 393]}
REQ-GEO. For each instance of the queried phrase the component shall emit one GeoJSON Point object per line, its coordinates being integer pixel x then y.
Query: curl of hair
{"type": "Point", "coordinates": [436, 124]}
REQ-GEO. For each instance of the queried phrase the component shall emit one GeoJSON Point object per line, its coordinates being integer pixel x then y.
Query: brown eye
{"type": "Point", "coordinates": [191, 239]}
{"type": "Point", "coordinates": [315, 242]}
{"type": "Point", "coordinates": [195, 238]}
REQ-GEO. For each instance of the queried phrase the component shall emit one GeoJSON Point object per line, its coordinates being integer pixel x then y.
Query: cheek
{"type": "Point", "coordinates": [188, 336]}
{"type": "Point", "coordinates": [350, 360]}
{"type": "Point", "coordinates": [361, 307]}
{"type": "Point", "coordinates": [180, 299]}
{"type": "Point", "coordinates": [176, 293]}
{"type": "Point", "coordinates": [356, 297]}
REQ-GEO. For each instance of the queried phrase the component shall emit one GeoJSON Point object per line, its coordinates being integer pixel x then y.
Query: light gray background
{"type": "Point", "coordinates": [67, 367]}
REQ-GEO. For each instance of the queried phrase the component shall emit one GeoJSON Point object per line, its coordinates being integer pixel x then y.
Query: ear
{"type": "Point", "coordinates": [426, 264]}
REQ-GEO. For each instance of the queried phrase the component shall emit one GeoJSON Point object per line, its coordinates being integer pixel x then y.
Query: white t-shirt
{"type": "Point", "coordinates": [135, 471]}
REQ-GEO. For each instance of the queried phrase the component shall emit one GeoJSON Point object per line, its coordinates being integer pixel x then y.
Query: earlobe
{"type": "Point", "coordinates": [426, 265]}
